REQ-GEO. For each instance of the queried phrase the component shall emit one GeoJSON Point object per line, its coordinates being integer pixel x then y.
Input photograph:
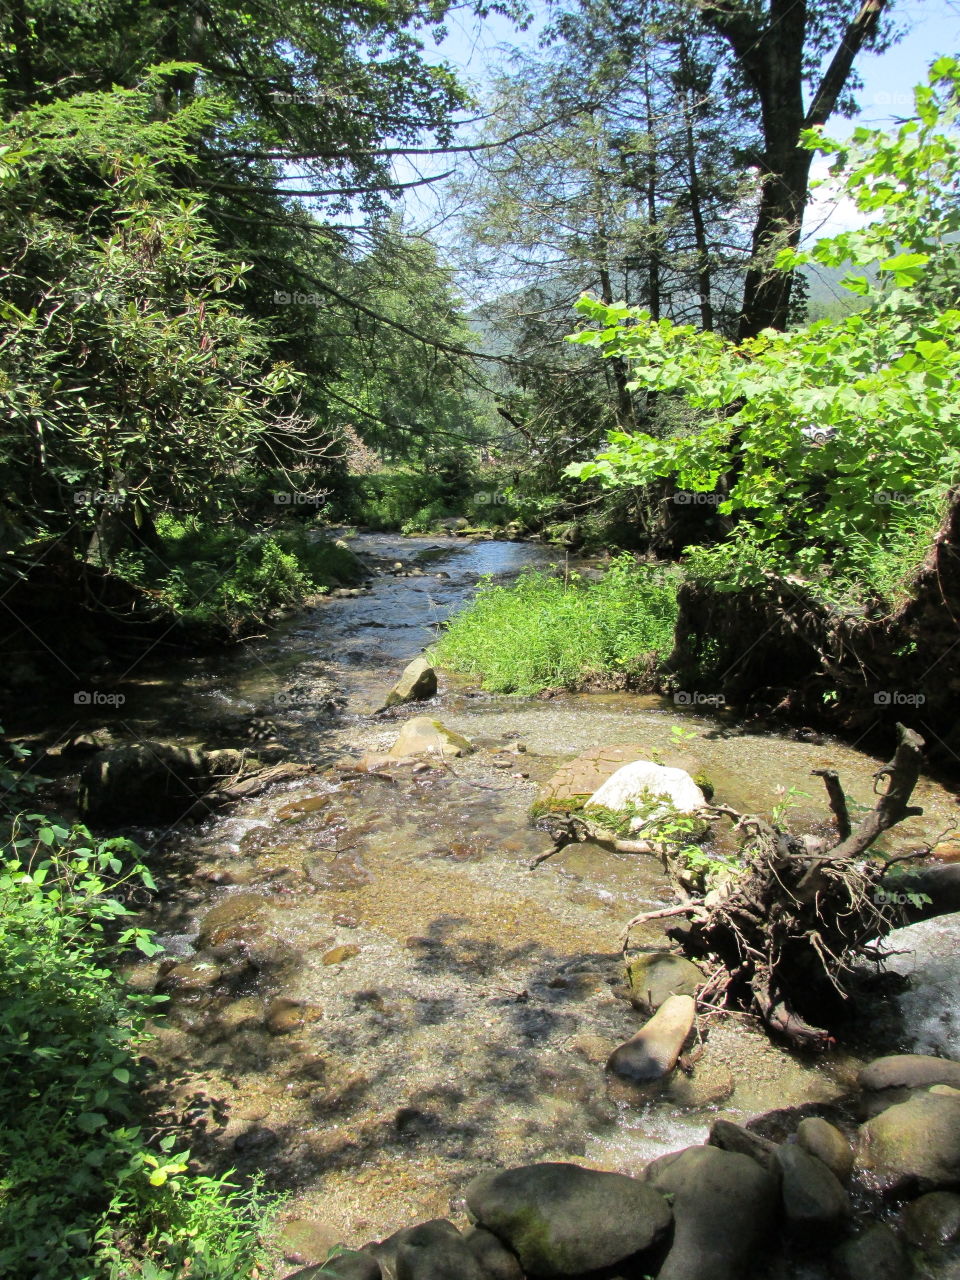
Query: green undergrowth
{"type": "Point", "coordinates": [88, 1190]}
{"type": "Point", "coordinates": [545, 632]}
{"type": "Point", "coordinates": [225, 576]}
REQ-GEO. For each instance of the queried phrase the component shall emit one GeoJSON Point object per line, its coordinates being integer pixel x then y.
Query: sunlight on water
{"type": "Point", "coordinates": [931, 1008]}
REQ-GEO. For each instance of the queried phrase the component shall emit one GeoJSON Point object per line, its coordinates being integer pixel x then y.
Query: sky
{"type": "Point", "coordinates": [476, 48]}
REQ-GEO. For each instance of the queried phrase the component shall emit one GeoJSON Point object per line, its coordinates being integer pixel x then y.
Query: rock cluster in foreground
{"type": "Point", "coordinates": [717, 1211]}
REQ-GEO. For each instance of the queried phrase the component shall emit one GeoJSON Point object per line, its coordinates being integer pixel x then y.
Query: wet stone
{"type": "Point", "coordinates": [915, 1144]}
{"type": "Point", "coordinates": [827, 1143]}
{"type": "Point", "coordinates": [496, 1260]}
{"type": "Point", "coordinates": [339, 954]}
{"type": "Point", "coordinates": [876, 1254]}
{"type": "Point", "coordinates": [654, 976]}
{"type": "Point", "coordinates": [654, 1050]}
{"type": "Point", "coordinates": [813, 1199]}
{"type": "Point", "coordinates": [934, 1220]}
{"type": "Point", "coordinates": [909, 1071]}
{"type": "Point", "coordinates": [724, 1205]}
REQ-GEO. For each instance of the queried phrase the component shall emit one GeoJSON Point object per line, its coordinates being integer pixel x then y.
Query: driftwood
{"type": "Point", "coordinates": [244, 786]}
{"type": "Point", "coordinates": [785, 935]}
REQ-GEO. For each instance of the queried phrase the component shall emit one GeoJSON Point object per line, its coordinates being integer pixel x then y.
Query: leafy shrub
{"type": "Point", "coordinates": [543, 632]}
{"type": "Point", "coordinates": [83, 1196]}
{"type": "Point", "coordinates": [207, 573]}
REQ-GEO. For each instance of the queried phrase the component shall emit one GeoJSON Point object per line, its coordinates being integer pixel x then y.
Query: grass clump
{"type": "Point", "coordinates": [543, 632]}
{"type": "Point", "coordinates": [85, 1193]}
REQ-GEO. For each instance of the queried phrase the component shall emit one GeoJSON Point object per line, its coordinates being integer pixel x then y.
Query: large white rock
{"type": "Point", "coordinates": [643, 778]}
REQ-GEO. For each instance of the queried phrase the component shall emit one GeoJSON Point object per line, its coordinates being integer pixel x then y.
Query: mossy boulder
{"type": "Point", "coordinates": [654, 976]}
{"type": "Point", "coordinates": [913, 1145]}
{"type": "Point", "coordinates": [423, 736]}
{"type": "Point", "coordinates": [563, 1220]}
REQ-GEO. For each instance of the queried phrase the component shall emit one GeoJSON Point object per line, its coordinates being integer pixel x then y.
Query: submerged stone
{"type": "Point", "coordinates": [654, 976]}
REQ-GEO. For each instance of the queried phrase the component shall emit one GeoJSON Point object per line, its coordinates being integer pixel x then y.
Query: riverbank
{"type": "Point", "coordinates": [400, 1001]}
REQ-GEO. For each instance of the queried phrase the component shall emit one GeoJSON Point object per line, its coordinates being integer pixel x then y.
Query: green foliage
{"type": "Point", "coordinates": [223, 575]}
{"type": "Point", "coordinates": [544, 632]}
{"type": "Point", "coordinates": [83, 1195]}
{"type": "Point", "coordinates": [130, 376]}
{"type": "Point", "coordinates": [884, 378]}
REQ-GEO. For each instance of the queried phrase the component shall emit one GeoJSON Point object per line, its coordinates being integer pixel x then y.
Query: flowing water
{"type": "Point", "coordinates": [447, 1008]}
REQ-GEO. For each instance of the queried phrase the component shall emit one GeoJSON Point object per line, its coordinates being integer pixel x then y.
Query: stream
{"type": "Point", "coordinates": [416, 1004]}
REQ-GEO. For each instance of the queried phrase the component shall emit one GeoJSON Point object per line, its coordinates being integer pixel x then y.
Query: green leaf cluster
{"type": "Point", "coordinates": [885, 379]}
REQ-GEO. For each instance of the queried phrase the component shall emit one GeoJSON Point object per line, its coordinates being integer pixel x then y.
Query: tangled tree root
{"type": "Point", "coordinates": [785, 936]}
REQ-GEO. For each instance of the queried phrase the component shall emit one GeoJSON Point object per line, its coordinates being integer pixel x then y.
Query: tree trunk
{"type": "Point", "coordinates": [768, 44]}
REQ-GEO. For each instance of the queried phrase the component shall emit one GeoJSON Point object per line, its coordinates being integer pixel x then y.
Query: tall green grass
{"type": "Point", "coordinates": [543, 632]}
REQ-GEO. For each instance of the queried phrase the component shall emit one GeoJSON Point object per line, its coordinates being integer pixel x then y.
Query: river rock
{"type": "Point", "coordinates": [813, 1198]}
{"type": "Point", "coordinates": [909, 1071]}
{"type": "Point", "coordinates": [876, 1254]}
{"type": "Point", "coordinates": [915, 1144]}
{"type": "Point", "coordinates": [198, 973]}
{"type": "Point", "coordinates": [238, 918]}
{"type": "Point", "coordinates": [653, 1051]}
{"type": "Point", "coordinates": [577, 780]}
{"type": "Point", "coordinates": [435, 1251]}
{"type": "Point", "coordinates": [418, 682]}
{"type": "Point", "coordinates": [933, 1221]}
{"type": "Point", "coordinates": [643, 779]}
{"type": "Point", "coordinates": [340, 954]}
{"type": "Point", "coordinates": [150, 781]}
{"type": "Point", "coordinates": [827, 1143]}
{"type": "Point", "coordinates": [709, 1084]}
{"type": "Point", "coordinates": [423, 736]}
{"type": "Point", "coordinates": [349, 1264]}
{"type": "Point", "coordinates": [496, 1260]}
{"type": "Point", "coordinates": [561, 1219]}
{"type": "Point", "coordinates": [302, 1240]}
{"type": "Point", "coordinates": [654, 976]}
{"type": "Point", "coordinates": [284, 1015]}
{"type": "Point", "coordinates": [733, 1137]}
{"type": "Point", "coordinates": [724, 1204]}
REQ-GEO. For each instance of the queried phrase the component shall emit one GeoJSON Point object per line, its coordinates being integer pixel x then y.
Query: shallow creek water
{"type": "Point", "coordinates": [455, 1006]}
